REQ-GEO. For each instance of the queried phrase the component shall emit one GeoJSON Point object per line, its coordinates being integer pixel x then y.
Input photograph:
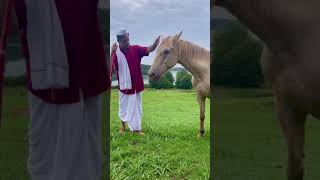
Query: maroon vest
{"type": "Point", "coordinates": [88, 70]}
{"type": "Point", "coordinates": [133, 55]}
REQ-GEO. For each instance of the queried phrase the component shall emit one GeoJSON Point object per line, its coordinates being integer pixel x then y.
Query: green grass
{"type": "Point", "coordinates": [248, 141]}
{"type": "Point", "coordinates": [170, 149]}
{"type": "Point", "coordinates": [14, 137]}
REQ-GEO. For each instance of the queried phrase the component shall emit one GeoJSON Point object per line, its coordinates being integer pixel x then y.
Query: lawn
{"type": "Point", "coordinates": [248, 141]}
{"type": "Point", "coordinates": [13, 135]}
{"type": "Point", "coordinates": [170, 149]}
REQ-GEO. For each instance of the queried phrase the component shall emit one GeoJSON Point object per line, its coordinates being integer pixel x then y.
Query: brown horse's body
{"type": "Point", "coordinates": [195, 59]}
{"type": "Point", "coordinates": [290, 62]}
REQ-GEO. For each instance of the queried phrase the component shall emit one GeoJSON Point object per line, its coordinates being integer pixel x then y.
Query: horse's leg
{"type": "Point", "coordinates": [293, 125]}
{"type": "Point", "coordinates": [201, 102]}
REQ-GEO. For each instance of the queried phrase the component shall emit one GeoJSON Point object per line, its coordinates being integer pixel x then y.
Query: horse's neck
{"type": "Point", "coordinates": [280, 27]}
{"type": "Point", "coordinates": [247, 13]}
{"type": "Point", "coordinates": [198, 66]}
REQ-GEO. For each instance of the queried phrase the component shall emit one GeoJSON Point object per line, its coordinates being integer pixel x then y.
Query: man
{"type": "Point", "coordinates": [126, 60]}
{"type": "Point", "coordinates": [66, 74]}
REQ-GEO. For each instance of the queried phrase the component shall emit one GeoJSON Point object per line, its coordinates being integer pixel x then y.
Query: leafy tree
{"type": "Point", "coordinates": [236, 58]}
{"type": "Point", "coordinates": [184, 80]}
{"type": "Point", "coordinates": [165, 82]}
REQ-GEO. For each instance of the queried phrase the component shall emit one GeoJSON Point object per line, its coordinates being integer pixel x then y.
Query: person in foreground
{"type": "Point", "coordinates": [66, 74]}
{"type": "Point", "coordinates": [127, 60]}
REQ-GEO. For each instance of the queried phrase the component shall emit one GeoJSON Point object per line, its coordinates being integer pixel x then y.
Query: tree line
{"type": "Point", "coordinates": [236, 53]}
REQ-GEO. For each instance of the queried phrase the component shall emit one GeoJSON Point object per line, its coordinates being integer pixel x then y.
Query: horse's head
{"type": "Point", "coordinates": [166, 57]}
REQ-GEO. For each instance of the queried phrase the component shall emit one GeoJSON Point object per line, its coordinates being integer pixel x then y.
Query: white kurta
{"type": "Point", "coordinates": [65, 140]}
{"type": "Point", "coordinates": [130, 110]}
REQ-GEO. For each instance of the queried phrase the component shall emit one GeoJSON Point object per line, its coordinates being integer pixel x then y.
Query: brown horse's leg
{"type": "Point", "coordinates": [201, 102]}
{"type": "Point", "coordinates": [293, 126]}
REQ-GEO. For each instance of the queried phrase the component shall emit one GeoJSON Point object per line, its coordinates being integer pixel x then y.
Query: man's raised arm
{"type": "Point", "coordinates": [154, 45]}
{"type": "Point", "coordinates": [112, 58]}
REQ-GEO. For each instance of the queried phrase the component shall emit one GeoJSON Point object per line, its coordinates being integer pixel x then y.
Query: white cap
{"type": "Point", "coordinates": [122, 32]}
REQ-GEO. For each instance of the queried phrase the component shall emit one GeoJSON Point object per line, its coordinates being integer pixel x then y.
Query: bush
{"type": "Point", "coordinates": [184, 80]}
{"type": "Point", "coordinates": [169, 77]}
{"type": "Point", "coordinates": [165, 82]}
{"type": "Point", "coordinates": [236, 58]}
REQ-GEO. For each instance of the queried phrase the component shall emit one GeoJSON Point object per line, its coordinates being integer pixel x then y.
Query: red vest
{"type": "Point", "coordinates": [88, 70]}
{"type": "Point", "coordinates": [133, 55]}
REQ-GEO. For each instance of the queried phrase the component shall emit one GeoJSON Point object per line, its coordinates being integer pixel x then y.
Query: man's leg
{"type": "Point", "coordinates": [42, 138]}
{"type": "Point", "coordinates": [123, 107]}
{"type": "Point", "coordinates": [123, 127]}
{"type": "Point", "coordinates": [78, 150]}
{"type": "Point", "coordinates": [93, 117]}
{"type": "Point", "coordinates": [137, 114]}
{"type": "Point", "coordinates": [68, 145]}
{"type": "Point", "coordinates": [130, 110]}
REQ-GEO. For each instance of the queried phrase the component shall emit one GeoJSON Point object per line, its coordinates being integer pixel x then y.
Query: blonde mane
{"type": "Point", "coordinates": [187, 49]}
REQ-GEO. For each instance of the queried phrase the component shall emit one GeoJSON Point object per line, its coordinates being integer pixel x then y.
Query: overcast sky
{"type": "Point", "coordinates": [146, 19]}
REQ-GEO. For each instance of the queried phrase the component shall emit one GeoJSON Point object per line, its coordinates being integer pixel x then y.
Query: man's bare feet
{"type": "Point", "coordinates": [140, 133]}
{"type": "Point", "coordinates": [123, 127]}
{"type": "Point", "coordinates": [122, 130]}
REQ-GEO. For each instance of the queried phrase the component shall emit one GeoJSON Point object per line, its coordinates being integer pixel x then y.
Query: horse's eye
{"type": "Point", "coordinates": [166, 52]}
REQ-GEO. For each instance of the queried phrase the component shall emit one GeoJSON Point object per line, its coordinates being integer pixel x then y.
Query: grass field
{"type": "Point", "coordinates": [248, 141]}
{"type": "Point", "coordinates": [170, 149]}
{"type": "Point", "coordinates": [13, 135]}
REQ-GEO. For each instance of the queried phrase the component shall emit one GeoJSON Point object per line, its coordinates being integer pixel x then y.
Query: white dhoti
{"type": "Point", "coordinates": [65, 140]}
{"type": "Point", "coordinates": [130, 110]}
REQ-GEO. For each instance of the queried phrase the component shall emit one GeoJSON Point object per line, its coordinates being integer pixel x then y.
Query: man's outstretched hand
{"type": "Point", "coordinates": [154, 45]}
{"type": "Point", "coordinates": [114, 47]}
{"type": "Point", "coordinates": [156, 42]}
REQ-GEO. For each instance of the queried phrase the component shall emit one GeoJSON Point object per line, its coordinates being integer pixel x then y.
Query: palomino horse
{"type": "Point", "coordinates": [196, 60]}
{"type": "Point", "coordinates": [290, 62]}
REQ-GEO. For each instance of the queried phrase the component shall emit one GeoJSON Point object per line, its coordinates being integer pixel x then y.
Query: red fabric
{"type": "Point", "coordinates": [85, 50]}
{"type": "Point", "coordinates": [133, 55]}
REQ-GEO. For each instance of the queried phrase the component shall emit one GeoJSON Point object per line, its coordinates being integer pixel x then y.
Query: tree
{"type": "Point", "coordinates": [165, 82]}
{"type": "Point", "coordinates": [184, 80]}
{"type": "Point", "coordinates": [236, 58]}
{"type": "Point", "coordinates": [169, 77]}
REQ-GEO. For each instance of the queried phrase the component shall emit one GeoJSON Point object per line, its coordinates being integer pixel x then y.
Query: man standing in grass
{"type": "Point", "coordinates": [66, 74]}
{"type": "Point", "coordinates": [127, 61]}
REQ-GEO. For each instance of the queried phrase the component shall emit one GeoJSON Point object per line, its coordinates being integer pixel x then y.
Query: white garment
{"type": "Point", "coordinates": [130, 110]}
{"type": "Point", "coordinates": [123, 71]}
{"type": "Point", "coordinates": [65, 140]}
{"type": "Point", "coordinates": [49, 66]}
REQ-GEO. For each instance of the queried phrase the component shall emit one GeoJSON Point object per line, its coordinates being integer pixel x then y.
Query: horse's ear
{"type": "Point", "coordinates": [176, 38]}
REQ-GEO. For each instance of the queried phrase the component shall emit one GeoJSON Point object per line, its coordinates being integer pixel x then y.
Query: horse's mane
{"type": "Point", "coordinates": [188, 49]}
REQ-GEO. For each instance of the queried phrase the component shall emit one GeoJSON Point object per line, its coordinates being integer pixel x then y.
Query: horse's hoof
{"type": "Point", "coordinates": [200, 135]}
{"type": "Point", "coordinates": [202, 132]}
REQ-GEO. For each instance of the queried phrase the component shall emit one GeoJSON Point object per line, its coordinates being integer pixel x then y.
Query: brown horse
{"type": "Point", "coordinates": [290, 62]}
{"type": "Point", "coordinates": [196, 60]}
